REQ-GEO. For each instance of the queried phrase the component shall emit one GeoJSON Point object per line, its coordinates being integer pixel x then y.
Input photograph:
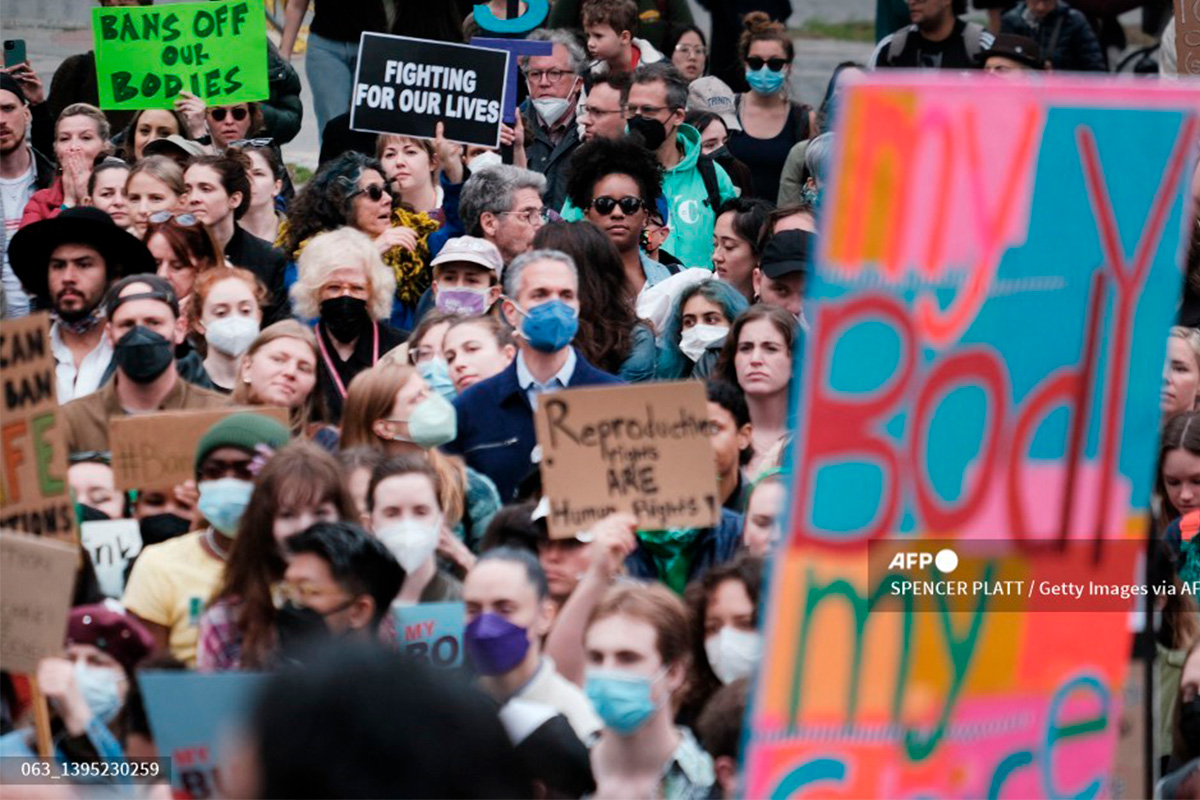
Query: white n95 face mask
{"type": "Point", "coordinates": [733, 654]}
{"type": "Point", "coordinates": [411, 541]}
{"type": "Point", "coordinates": [698, 338]}
{"type": "Point", "coordinates": [483, 161]}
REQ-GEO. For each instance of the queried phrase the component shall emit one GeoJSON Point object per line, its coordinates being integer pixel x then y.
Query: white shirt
{"type": "Point", "coordinates": [14, 194]}
{"type": "Point", "coordinates": [557, 381]}
{"type": "Point", "coordinates": [74, 383]}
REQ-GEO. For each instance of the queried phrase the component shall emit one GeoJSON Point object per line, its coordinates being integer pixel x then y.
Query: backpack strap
{"type": "Point", "coordinates": [896, 46]}
{"type": "Point", "coordinates": [973, 40]}
{"type": "Point", "coordinates": [708, 173]}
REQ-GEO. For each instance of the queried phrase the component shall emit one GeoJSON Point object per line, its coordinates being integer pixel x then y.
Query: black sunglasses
{"type": "Point", "coordinates": [375, 191]}
{"type": "Point", "coordinates": [238, 113]}
{"type": "Point", "coordinates": [629, 204]}
{"type": "Point", "coordinates": [773, 64]}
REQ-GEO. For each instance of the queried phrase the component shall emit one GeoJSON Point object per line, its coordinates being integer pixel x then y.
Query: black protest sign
{"type": "Point", "coordinates": [406, 86]}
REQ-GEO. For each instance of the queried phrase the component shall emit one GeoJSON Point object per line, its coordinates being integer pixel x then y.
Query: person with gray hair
{"type": "Point", "coordinates": [554, 87]}
{"type": "Point", "coordinates": [503, 204]}
{"type": "Point", "coordinates": [816, 163]}
{"type": "Point", "coordinates": [495, 416]}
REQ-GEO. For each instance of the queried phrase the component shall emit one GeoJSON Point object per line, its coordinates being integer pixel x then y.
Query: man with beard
{"type": "Point", "coordinates": [936, 39]}
{"type": "Point", "coordinates": [68, 262]}
{"type": "Point", "coordinates": [23, 171]}
{"type": "Point", "coordinates": [145, 326]}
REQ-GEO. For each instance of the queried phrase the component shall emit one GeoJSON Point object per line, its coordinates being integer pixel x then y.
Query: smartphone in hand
{"type": "Point", "coordinates": [14, 52]}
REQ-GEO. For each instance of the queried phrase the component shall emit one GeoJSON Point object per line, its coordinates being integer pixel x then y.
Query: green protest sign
{"type": "Point", "coordinates": [146, 56]}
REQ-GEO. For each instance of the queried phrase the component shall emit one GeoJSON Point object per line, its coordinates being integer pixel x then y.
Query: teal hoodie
{"type": "Point", "coordinates": [691, 218]}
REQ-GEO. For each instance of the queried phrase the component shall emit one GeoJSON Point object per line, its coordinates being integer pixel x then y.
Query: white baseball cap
{"type": "Point", "coordinates": [472, 250]}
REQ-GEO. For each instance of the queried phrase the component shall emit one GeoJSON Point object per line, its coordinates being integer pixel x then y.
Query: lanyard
{"type": "Point", "coordinates": [333, 373]}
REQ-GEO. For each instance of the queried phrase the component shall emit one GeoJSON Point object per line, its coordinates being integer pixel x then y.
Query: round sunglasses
{"type": "Point", "coordinates": [159, 217]}
{"type": "Point", "coordinates": [629, 204]}
{"type": "Point", "coordinates": [375, 191]}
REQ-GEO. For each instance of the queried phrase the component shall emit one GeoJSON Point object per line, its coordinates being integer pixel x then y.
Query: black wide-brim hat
{"type": "Point", "coordinates": [30, 249]}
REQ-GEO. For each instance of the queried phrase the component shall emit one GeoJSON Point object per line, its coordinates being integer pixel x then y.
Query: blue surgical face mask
{"type": "Point", "coordinates": [436, 373]}
{"type": "Point", "coordinates": [222, 502]}
{"type": "Point", "coordinates": [765, 80]}
{"type": "Point", "coordinates": [624, 700]}
{"type": "Point", "coordinates": [101, 690]}
{"type": "Point", "coordinates": [549, 327]}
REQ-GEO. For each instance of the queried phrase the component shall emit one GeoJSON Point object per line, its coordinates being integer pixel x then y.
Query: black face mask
{"type": "Point", "coordinates": [143, 355]}
{"type": "Point", "coordinates": [720, 154]}
{"type": "Point", "coordinates": [86, 513]}
{"type": "Point", "coordinates": [344, 317]}
{"type": "Point", "coordinates": [653, 132]}
{"type": "Point", "coordinates": [299, 630]}
{"type": "Point", "coordinates": [160, 527]}
{"type": "Point", "coordinates": [1189, 724]}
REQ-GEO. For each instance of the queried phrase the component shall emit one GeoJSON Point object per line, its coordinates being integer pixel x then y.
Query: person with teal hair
{"type": "Point", "coordinates": [695, 332]}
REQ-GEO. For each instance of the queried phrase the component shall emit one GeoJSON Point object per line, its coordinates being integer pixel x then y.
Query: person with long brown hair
{"type": "Point", "coordinates": [280, 369]}
{"type": "Point", "coordinates": [300, 485]}
{"type": "Point", "coordinates": [182, 249]}
{"type": "Point", "coordinates": [758, 358]}
{"type": "Point", "coordinates": [610, 334]}
{"type": "Point", "coordinates": [393, 409]}
{"type": "Point", "coordinates": [1177, 481]}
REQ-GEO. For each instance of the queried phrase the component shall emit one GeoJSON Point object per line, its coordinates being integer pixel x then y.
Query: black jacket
{"type": "Point", "coordinates": [548, 158]}
{"type": "Point", "coordinates": [1065, 36]}
{"type": "Point", "coordinates": [283, 112]}
{"type": "Point", "coordinates": [268, 263]}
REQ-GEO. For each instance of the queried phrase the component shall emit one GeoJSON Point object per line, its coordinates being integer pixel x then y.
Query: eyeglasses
{"type": "Point", "coordinates": [375, 191]}
{"type": "Point", "coordinates": [773, 64]}
{"type": "Point", "coordinates": [605, 205]}
{"type": "Point", "coordinates": [219, 113]}
{"type": "Point", "coordinates": [265, 141]}
{"type": "Point", "coordinates": [592, 111]}
{"type": "Point", "coordinates": [532, 216]}
{"type": "Point", "coordinates": [300, 594]}
{"type": "Point", "coordinates": [551, 75]}
{"type": "Point", "coordinates": [692, 49]}
{"type": "Point", "coordinates": [645, 111]}
{"type": "Point", "coordinates": [331, 290]}
{"type": "Point", "coordinates": [186, 220]}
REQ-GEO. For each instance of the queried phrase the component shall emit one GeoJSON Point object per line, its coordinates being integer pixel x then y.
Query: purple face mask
{"type": "Point", "coordinates": [494, 644]}
{"type": "Point", "coordinates": [463, 302]}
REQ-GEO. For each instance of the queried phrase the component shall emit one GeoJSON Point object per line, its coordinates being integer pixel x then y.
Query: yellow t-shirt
{"type": "Point", "coordinates": [170, 585]}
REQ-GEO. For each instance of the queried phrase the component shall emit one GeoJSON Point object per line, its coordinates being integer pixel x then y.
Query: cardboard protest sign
{"type": "Point", "coordinates": [159, 450]}
{"type": "Point", "coordinates": [643, 448]}
{"type": "Point", "coordinates": [998, 267]}
{"type": "Point", "coordinates": [37, 581]}
{"type": "Point", "coordinates": [512, 81]}
{"type": "Point", "coordinates": [190, 713]}
{"type": "Point", "coordinates": [147, 56]}
{"type": "Point", "coordinates": [1187, 37]}
{"type": "Point", "coordinates": [407, 86]}
{"type": "Point", "coordinates": [432, 632]}
{"type": "Point", "coordinates": [111, 544]}
{"type": "Point", "coordinates": [34, 497]}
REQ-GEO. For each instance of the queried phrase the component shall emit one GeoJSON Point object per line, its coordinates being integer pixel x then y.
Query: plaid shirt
{"type": "Point", "coordinates": [689, 774]}
{"type": "Point", "coordinates": [220, 646]}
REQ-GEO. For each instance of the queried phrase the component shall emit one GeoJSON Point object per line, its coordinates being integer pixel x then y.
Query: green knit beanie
{"type": "Point", "coordinates": [245, 431]}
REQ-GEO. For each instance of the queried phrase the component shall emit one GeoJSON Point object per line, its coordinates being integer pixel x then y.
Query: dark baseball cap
{"type": "Point", "coordinates": [787, 252]}
{"type": "Point", "coordinates": [1021, 49]}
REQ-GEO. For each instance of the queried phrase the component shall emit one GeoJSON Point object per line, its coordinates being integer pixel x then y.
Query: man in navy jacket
{"type": "Point", "coordinates": [495, 417]}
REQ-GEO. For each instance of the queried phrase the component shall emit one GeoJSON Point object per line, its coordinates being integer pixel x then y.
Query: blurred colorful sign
{"type": "Point", "coordinates": [999, 267]}
{"type": "Point", "coordinates": [432, 632]}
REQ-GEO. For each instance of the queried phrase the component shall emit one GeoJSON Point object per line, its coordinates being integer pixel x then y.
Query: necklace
{"type": "Point", "coordinates": [210, 539]}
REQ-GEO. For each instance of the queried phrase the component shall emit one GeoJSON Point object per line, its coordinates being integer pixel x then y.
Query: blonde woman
{"type": "Point", "coordinates": [1181, 371]}
{"type": "Point", "coordinates": [154, 185]}
{"type": "Point", "coordinates": [392, 409]}
{"type": "Point", "coordinates": [342, 282]}
{"type": "Point", "coordinates": [280, 369]}
{"type": "Point", "coordinates": [80, 138]}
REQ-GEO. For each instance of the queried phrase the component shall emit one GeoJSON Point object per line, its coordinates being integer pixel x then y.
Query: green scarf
{"type": "Point", "coordinates": [673, 552]}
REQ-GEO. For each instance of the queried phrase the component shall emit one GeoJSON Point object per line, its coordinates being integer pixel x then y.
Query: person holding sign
{"type": "Point", "coordinates": [495, 417]}
{"type": "Point", "coordinates": [87, 687]}
{"type": "Point", "coordinates": [149, 125]}
{"type": "Point", "coordinates": [145, 325]}
{"type": "Point", "coordinates": [554, 88]}
{"type": "Point", "coordinates": [69, 262]}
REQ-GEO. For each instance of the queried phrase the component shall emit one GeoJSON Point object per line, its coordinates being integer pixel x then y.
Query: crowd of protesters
{"type": "Point", "coordinates": [654, 221]}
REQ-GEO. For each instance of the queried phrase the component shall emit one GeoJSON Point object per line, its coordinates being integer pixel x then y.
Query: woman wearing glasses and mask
{"type": "Point", "coordinates": [343, 284]}
{"type": "Point", "coordinates": [218, 195]}
{"type": "Point", "coordinates": [351, 191]}
{"type": "Point", "coordinates": [771, 122]}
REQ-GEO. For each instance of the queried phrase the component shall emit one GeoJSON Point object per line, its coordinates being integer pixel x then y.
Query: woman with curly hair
{"type": "Point", "coordinates": [610, 334]}
{"type": "Point", "coordinates": [343, 285]}
{"type": "Point", "coordinates": [351, 190]}
{"type": "Point", "coordinates": [616, 184]}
